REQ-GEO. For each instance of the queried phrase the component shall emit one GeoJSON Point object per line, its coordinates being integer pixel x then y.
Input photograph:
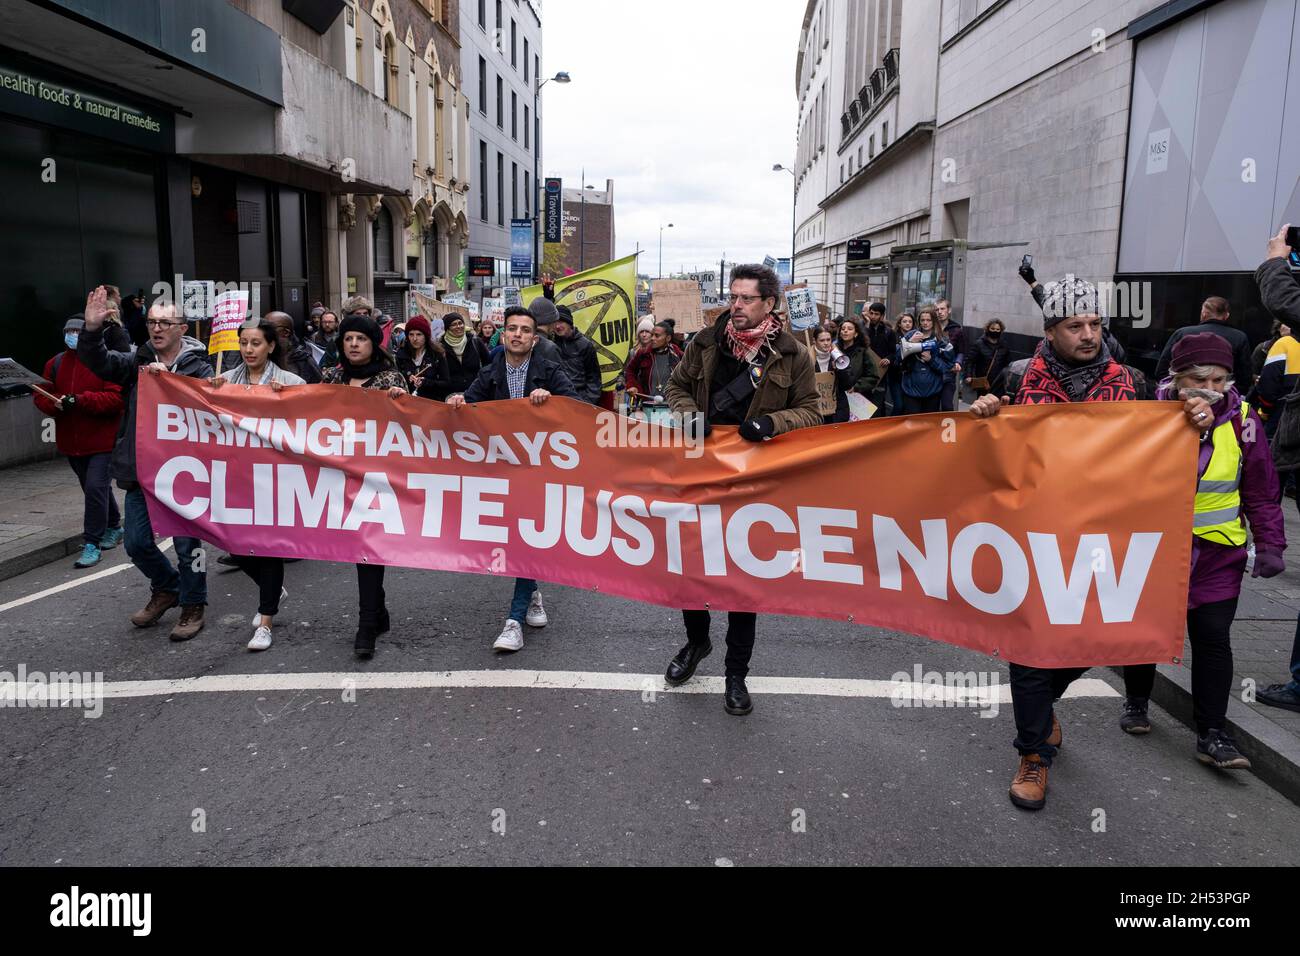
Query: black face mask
{"type": "Point", "coordinates": [994, 335]}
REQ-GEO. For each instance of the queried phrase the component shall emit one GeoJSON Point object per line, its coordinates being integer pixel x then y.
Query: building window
{"type": "Point", "coordinates": [525, 59]}
{"type": "Point", "coordinates": [482, 86]}
{"type": "Point", "coordinates": [871, 146]}
{"type": "Point", "coordinates": [514, 115]}
{"type": "Point", "coordinates": [514, 38]}
{"type": "Point", "coordinates": [528, 196]}
{"type": "Point", "coordinates": [514, 190]}
{"type": "Point", "coordinates": [482, 181]}
{"type": "Point", "coordinates": [431, 252]}
{"type": "Point", "coordinates": [501, 188]}
{"type": "Point", "coordinates": [499, 23]}
{"type": "Point", "coordinates": [884, 134]}
{"type": "Point", "coordinates": [841, 177]}
{"type": "Point", "coordinates": [383, 233]}
{"type": "Point", "coordinates": [501, 108]}
{"type": "Point", "coordinates": [859, 155]}
{"type": "Point", "coordinates": [482, 14]}
{"type": "Point", "coordinates": [537, 66]}
{"type": "Point", "coordinates": [525, 126]}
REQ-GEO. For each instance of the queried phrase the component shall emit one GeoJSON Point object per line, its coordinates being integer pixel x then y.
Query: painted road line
{"type": "Point", "coordinates": [68, 585]}
{"type": "Point", "coordinates": [915, 694]}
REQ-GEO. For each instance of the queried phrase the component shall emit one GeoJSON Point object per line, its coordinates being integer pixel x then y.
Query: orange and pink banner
{"type": "Point", "coordinates": [1051, 536]}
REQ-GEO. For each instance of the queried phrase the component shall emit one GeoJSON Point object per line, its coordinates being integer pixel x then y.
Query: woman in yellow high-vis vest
{"type": "Point", "coordinates": [1236, 484]}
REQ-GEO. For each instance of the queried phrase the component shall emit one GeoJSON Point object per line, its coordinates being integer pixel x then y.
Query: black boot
{"type": "Point", "coordinates": [1134, 720]}
{"type": "Point", "coordinates": [385, 622]}
{"type": "Point", "coordinates": [682, 667]}
{"type": "Point", "coordinates": [737, 700]}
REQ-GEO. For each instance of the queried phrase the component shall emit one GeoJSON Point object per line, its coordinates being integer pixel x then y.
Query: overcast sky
{"type": "Point", "coordinates": [686, 106]}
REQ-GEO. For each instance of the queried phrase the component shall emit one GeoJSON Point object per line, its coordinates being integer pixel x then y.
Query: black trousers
{"type": "Point", "coordinates": [268, 574]}
{"type": "Point", "coordinates": [101, 511]}
{"type": "Point", "coordinates": [741, 626]}
{"type": "Point", "coordinates": [915, 406]}
{"type": "Point", "coordinates": [948, 397]}
{"type": "Point", "coordinates": [370, 591]}
{"type": "Point", "coordinates": [1033, 692]}
{"type": "Point", "coordinates": [1208, 629]}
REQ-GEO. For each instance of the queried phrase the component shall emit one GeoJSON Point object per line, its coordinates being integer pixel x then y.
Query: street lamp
{"type": "Point", "coordinates": [582, 224]}
{"type": "Point", "coordinates": [560, 77]}
{"type": "Point", "coordinates": [775, 168]}
{"type": "Point", "coordinates": [661, 248]}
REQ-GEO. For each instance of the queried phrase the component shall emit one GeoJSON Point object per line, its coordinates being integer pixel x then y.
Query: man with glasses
{"type": "Point", "coordinates": [168, 349]}
{"type": "Point", "coordinates": [746, 371]}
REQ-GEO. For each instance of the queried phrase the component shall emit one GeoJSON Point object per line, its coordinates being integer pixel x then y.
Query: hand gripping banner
{"type": "Point", "coordinates": [1050, 536]}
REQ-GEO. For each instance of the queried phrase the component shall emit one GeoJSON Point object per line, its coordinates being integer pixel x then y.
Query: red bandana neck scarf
{"type": "Point", "coordinates": [746, 344]}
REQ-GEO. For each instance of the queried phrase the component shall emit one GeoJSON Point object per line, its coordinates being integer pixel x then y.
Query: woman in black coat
{"type": "Point", "coordinates": [987, 358]}
{"type": "Point", "coordinates": [465, 354]}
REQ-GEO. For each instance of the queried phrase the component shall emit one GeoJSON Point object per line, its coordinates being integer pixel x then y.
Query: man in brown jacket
{"type": "Point", "coordinates": [743, 371]}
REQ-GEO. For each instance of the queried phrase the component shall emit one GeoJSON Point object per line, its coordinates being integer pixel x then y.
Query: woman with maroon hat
{"type": "Point", "coordinates": [1235, 480]}
{"type": "Point", "coordinates": [420, 357]}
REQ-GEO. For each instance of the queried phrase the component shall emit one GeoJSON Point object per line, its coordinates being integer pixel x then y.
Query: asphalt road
{"type": "Point", "coordinates": [333, 772]}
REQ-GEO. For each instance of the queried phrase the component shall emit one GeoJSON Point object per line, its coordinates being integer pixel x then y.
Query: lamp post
{"type": "Point", "coordinates": [560, 77]}
{"type": "Point", "coordinates": [582, 224]}
{"type": "Point", "coordinates": [661, 248]}
{"type": "Point", "coordinates": [775, 167]}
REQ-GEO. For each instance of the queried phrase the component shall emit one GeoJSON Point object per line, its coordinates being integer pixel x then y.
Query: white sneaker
{"type": "Point", "coordinates": [261, 639]}
{"type": "Point", "coordinates": [536, 616]}
{"type": "Point", "coordinates": [511, 638]}
{"type": "Point", "coordinates": [257, 616]}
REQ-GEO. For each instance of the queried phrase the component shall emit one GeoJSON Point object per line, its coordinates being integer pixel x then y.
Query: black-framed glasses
{"type": "Point", "coordinates": [742, 298]}
{"type": "Point", "coordinates": [161, 323]}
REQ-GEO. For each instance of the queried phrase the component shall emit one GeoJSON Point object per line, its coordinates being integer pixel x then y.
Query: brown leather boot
{"type": "Point", "coordinates": [191, 623]}
{"type": "Point", "coordinates": [1029, 788]}
{"type": "Point", "coordinates": [1054, 738]}
{"type": "Point", "coordinates": [160, 602]}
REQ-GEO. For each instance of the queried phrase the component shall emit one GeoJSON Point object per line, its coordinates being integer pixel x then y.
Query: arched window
{"type": "Point", "coordinates": [431, 251]}
{"type": "Point", "coordinates": [383, 234]}
{"type": "Point", "coordinates": [390, 71]}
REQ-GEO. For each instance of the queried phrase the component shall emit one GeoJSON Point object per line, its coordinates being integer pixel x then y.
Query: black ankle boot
{"type": "Point", "coordinates": [365, 642]}
{"type": "Point", "coordinates": [737, 700]}
{"type": "Point", "coordinates": [682, 667]}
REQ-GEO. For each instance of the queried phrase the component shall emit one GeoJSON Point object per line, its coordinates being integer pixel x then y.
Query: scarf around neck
{"type": "Point", "coordinates": [746, 344]}
{"type": "Point", "coordinates": [1077, 380]}
{"type": "Point", "coordinates": [455, 342]}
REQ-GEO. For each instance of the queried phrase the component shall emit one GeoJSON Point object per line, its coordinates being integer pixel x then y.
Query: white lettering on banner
{"type": "Point", "coordinates": [815, 543]}
{"type": "Point", "coordinates": [1065, 602]}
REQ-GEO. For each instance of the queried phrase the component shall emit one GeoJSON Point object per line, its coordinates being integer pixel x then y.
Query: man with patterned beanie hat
{"type": "Point", "coordinates": [1071, 364]}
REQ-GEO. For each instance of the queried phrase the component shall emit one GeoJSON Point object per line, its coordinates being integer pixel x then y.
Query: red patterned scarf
{"type": "Point", "coordinates": [746, 344]}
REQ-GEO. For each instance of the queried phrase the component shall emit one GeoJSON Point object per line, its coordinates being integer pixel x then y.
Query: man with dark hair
{"type": "Point", "coordinates": [297, 357]}
{"type": "Point", "coordinates": [745, 370]}
{"type": "Point", "coordinates": [1214, 318]}
{"type": "Point", "coordinates": [518, 372]}
{"type": "Point", "coordinates": [1072, 364]}
{"type": "Point", "coordinates": [326, 338]}
{"type": "Point", "coordinates": [882, 340]}
{"type": "Point", "coordinates": [577, 356]}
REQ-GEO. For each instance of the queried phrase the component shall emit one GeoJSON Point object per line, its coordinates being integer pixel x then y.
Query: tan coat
{"type": "Point", "coordinates": [787, 391]}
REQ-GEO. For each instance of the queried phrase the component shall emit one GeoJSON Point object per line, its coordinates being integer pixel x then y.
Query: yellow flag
{"type": "Point", "coordinates": [603, 303]}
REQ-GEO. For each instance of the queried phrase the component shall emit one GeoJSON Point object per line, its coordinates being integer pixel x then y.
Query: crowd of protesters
{"type": "Point", "coordinates": [923, 360]}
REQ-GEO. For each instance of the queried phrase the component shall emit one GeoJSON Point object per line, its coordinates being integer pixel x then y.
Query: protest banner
{"type": "Point", "coordinates": [228, 314]}
{"type": "Point", "coordinates": [1023, 564]}
{"type": "Point", "coordinates": [679, 300]}
{"type": "Point", "coordinates": [803, 308]}
{"type": "Point", "coordinates": [603, 302]}
{"type": "Point", "coordinates": [13, 374]}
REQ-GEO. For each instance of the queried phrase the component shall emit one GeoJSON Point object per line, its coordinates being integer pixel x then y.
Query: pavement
{"type": "Point", "coordinates": [573, 751]}
{"type": "Point", "coordinates": [40, 515]}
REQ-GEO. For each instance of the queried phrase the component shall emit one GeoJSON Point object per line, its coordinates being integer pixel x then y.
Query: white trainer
{"type": "Point", "coordinates": [511, 638]}
{"type": "Point", "coordinates": [257, 617]}
{"type": "Point", "coordinates": [536, 616]}
{"type": "Point", "coordinates": [261, 639]}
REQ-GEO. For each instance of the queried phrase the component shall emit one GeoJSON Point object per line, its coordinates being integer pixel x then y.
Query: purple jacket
{"type": "Point", "coordinates": [1217, 568]}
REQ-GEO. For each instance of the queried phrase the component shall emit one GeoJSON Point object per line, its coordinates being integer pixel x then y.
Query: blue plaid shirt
{"type": "Point", "coordinates": [516, 378]}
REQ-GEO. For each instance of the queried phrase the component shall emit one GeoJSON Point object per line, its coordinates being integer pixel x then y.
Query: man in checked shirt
{"type": "Point", "coordinates": [518, 372]}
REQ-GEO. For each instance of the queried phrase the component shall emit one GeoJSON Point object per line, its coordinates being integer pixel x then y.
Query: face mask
{"type": "Point", "coordinates": [995, 335]}
{"type": "Point", "coordinates": [70, 340]}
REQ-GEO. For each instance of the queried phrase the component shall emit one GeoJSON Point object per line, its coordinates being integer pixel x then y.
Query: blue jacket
{"type": "Point", "coordinates": [923, 379]}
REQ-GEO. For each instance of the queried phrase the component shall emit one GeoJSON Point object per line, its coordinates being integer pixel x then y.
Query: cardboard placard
{"type": "Point", "coordinates": [11, 373]}
{"type": "Point", "coordinates": [679, 300]}
{"type": "Point", "coordinates": [228, 315]}
{"type": "Point", "coordinates": [803, 309]}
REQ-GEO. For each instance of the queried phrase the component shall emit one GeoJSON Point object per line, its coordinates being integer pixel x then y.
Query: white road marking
{"type": "Point", "coordinates": [68, 585]}
{"type": "Point", "coordinates": [553, 680]}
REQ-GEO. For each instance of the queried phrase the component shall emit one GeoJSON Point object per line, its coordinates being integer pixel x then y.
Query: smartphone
{"type": "Point", "coordinates": [1293, 237]}
{"type": "Point", "coordinates": [1028, 261]}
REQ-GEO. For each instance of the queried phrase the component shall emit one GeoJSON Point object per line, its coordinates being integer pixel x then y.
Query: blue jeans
{"type": "Point", "coordinates": [524, 588]}
{"type": "Point", "coordinates": [1295, 660]}
{"type": "Point", "coordinates": [153, 564]}
{"type": "Point", "coordinates": [895, 396]}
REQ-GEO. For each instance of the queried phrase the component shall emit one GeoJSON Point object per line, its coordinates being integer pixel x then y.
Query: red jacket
{"type": "Point", "coordinates": [90, 426]}
{"type": "Point", "coordinates": [640, 365]}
